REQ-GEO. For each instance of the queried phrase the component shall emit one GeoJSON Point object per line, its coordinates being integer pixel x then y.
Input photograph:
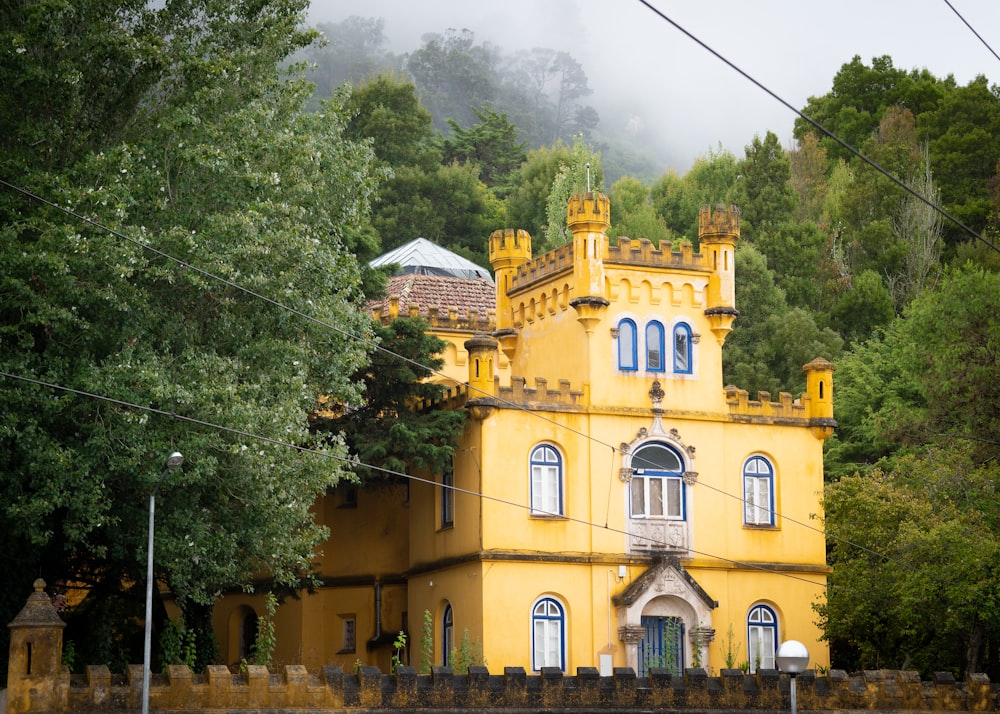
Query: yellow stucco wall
{"type": "Point", "coordinates": [557, 380]}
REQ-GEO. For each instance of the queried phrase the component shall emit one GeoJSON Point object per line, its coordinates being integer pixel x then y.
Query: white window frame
{"type": "Point", "coordinates": [660, 346]}
{"type": "Point", "coordinates": [545, 467]}
{"type": "Point", "coordinates": [762, 635]}
{"type": "Point", "coordinates": [758, 491]}
{"type": "Point", "coordinates": [548, 634]}
{"type": "Point", "coordinates": [651, 486]}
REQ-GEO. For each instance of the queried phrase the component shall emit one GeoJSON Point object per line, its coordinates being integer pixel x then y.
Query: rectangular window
{"type": "Point", "coordinates": [447, 499]}
{"type": "Point", "coordinates": [545, 489]}
{"type": "Point", "coordinates": [657, 497]}
{"type": "Point", "coordinates": [757, 497]}
{"type": "Point", "coordinates": [348, 624]}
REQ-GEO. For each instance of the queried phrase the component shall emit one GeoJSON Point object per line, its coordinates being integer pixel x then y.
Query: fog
{"type": "Point", "coordinates": [681, 100]}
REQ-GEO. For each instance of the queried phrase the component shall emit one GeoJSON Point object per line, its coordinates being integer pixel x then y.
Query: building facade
{"type": "Point", "coordinates": [611, 503]}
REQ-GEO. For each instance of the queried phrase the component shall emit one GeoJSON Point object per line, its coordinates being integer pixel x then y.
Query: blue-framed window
{"type": "Point", "coordinates": [758, 491]}
{"type": "Point", "coordinates": [657, 486]}
{"type": "Point", "coordinates": [548, 634]}
{"type": "Point", "coordinates": [447, 634]}
{"type": "Point", "coordinates": [654, 346]}
{"type": "Point", "coordinates": [628, 359]}
{"type": "Point", "coordinates": [546, 481]}
{"type": "Point", "coordinates": [762, 637]}
{"type": "Point", "coordinates": [683, 350]}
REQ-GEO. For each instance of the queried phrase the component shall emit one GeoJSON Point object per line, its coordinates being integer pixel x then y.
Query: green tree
{"type": "Point", "coordinates": [453, 74]}
{"type": "Point", "coordinates": [581, 173]}
{"type": "Point", "coordinates": [633, 215]}
{"type": "Point", "coordinates": [527, 203]}
{"type": "Point", "coordinates": [352, 51]}
{"type": "Point", "coordinates": [386, 111]}
{"type": "Point", "coordinates": [710, 180]}
{"type": "Point", "coordinates": [765, 194]}
{"type": "Point", "coordinates": [770, 342]}
{"type": "Point", "coordinates": [492, 145]}
{"type": "Point", "coordinates": [231, 177]}
{"type": "Point", "coordinates": [914, 553]}
{"type": "Point", "coordinates": [384, 428]}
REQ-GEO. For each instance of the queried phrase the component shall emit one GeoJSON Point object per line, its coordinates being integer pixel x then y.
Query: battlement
{"type": "Point", "coordinates": [452, 318]}
{"type": "Point", "coordinates": [509, 248]}
{"type": "Point", "coordinates": [552, 263]}
{"type": "Point", "coordinates": [785, 408]}
{"type": "Point", "coordinates": [589, 211]}
{"type": "Point", "coordinates": [294, 689]}
{"type": "Point", "coordinates": [722, 222]}
{"type": "Point", "coordinates": [641, 252]}
{"type": "Point", "coordinates": [541, 395]}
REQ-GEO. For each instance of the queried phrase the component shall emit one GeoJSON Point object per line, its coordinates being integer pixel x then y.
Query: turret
{"type": "Point", "coordinates": [588, 216]}
{"type": "Point", "coordinates": [718, 231]}
{"type": "Point", "coordinates": [482, 351]}
{"type": "Point", "coordinates": [509, 250]}
{"type": "Point", "coordinates": [819, 393]}
{"type": "Point", "coordinates": [34, 663]}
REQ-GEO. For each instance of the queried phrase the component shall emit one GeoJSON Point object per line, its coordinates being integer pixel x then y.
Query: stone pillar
{"type": "Point", "coordinates": [34, 666]}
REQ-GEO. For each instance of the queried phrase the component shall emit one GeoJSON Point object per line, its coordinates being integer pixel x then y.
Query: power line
{"type": "Point", "coordinates": [388, 472]}
{"type": "Point", "coordinates": [871, 162]}
{"type": "Point", "coordinates": [368, 343]}
{"type": "Point", "coordinates": [972, 30]}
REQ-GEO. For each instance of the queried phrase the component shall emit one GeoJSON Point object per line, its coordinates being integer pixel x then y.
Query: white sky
{"type": "Point", "coordinates": [687, 99]}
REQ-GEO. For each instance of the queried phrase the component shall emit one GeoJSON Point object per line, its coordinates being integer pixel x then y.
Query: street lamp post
{"type": "Point", "coordinates": [793, 658]}
{"type": "Point", "coordinates": [174, 461]}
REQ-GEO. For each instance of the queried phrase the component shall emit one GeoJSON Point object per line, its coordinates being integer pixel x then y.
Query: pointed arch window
{"type": "Point", "coordinates": [683, 363]}
{"type": "Point", "coordinates": [628, 360]}
{"type": "Point", "coordinates": [548, 634]}
{"type": "Point", "coordinates": [546, 481]}
{"type": "Point", "coordinates": [654, 346]}
{"type": "Point", "coordinates": [762, 637]}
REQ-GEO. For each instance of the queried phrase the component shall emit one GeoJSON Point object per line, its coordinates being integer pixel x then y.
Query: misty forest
{"type": "Point", "coordinates": [235, 140]}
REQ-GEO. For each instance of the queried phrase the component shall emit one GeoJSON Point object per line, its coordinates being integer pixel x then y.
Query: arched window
{"type": "Point", "coordinates": [249, 625]}
{"type": "Point", "coordinates": [657, 487]}
{"type": "Point", "coordinates": [447, 635]}
{"type": "Point", "coordinates": [628, 359]}
{"type": "Point", "coordinates": [683, 364]}
{"type": "Point", "coordinates": [758, 491]}
{"type": "Point", "coordinates": [546, 481]}
{"type": "Point", "coordinates": [654, 347]}
{"type": "Point", "coordinates": [548, 634]}
{"type": "Point", "coordinates": [762, 637]}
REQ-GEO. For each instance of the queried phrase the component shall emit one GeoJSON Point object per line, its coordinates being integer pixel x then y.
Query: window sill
{"type": "Point", "coordinates": [760, 526]}
{"type": "Point", "coordinates": [547, 516]}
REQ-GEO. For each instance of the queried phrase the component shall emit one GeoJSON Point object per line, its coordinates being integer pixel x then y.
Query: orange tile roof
{"type": "Point", "coordinates": [444, 293]}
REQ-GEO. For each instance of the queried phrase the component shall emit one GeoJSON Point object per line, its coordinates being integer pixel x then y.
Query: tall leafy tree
{"type": "Point", "coordinates": [633, 214]}
{"type": "Point", "coordinates": [453, 74]}
{"type": "Point", "coordinates": [173, 126]}
{"type": "Point", "coordinates": [384, 428]}
{"type": "Point", "coordinates": [492, 145]}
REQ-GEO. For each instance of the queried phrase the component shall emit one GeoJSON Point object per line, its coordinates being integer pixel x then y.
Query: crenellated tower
{"type": "Point", "coordinates": [718, 231]}
{"type": "Point", "coordinates": [509, 250]}
{"type": "Point", "coordinates": [819, 393]}
{"type": "Point", "coordinates": [588, 216]}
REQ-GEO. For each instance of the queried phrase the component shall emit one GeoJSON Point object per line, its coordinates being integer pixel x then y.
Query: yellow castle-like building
{"type": "Point", "coordinates": [611, 502]}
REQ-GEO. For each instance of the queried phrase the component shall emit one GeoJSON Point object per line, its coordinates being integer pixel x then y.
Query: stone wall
{"type": "Point", "coordinates": [294, 689]}
{"type": "Point", "coordinates": [38, 684]}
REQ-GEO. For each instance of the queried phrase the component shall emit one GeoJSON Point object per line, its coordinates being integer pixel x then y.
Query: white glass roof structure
{"type": "Point", "coordinates": [422, 257]}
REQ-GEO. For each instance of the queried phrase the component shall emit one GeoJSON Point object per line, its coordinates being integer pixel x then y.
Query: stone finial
{"type": "Point", "coordinates": [38, 611]}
